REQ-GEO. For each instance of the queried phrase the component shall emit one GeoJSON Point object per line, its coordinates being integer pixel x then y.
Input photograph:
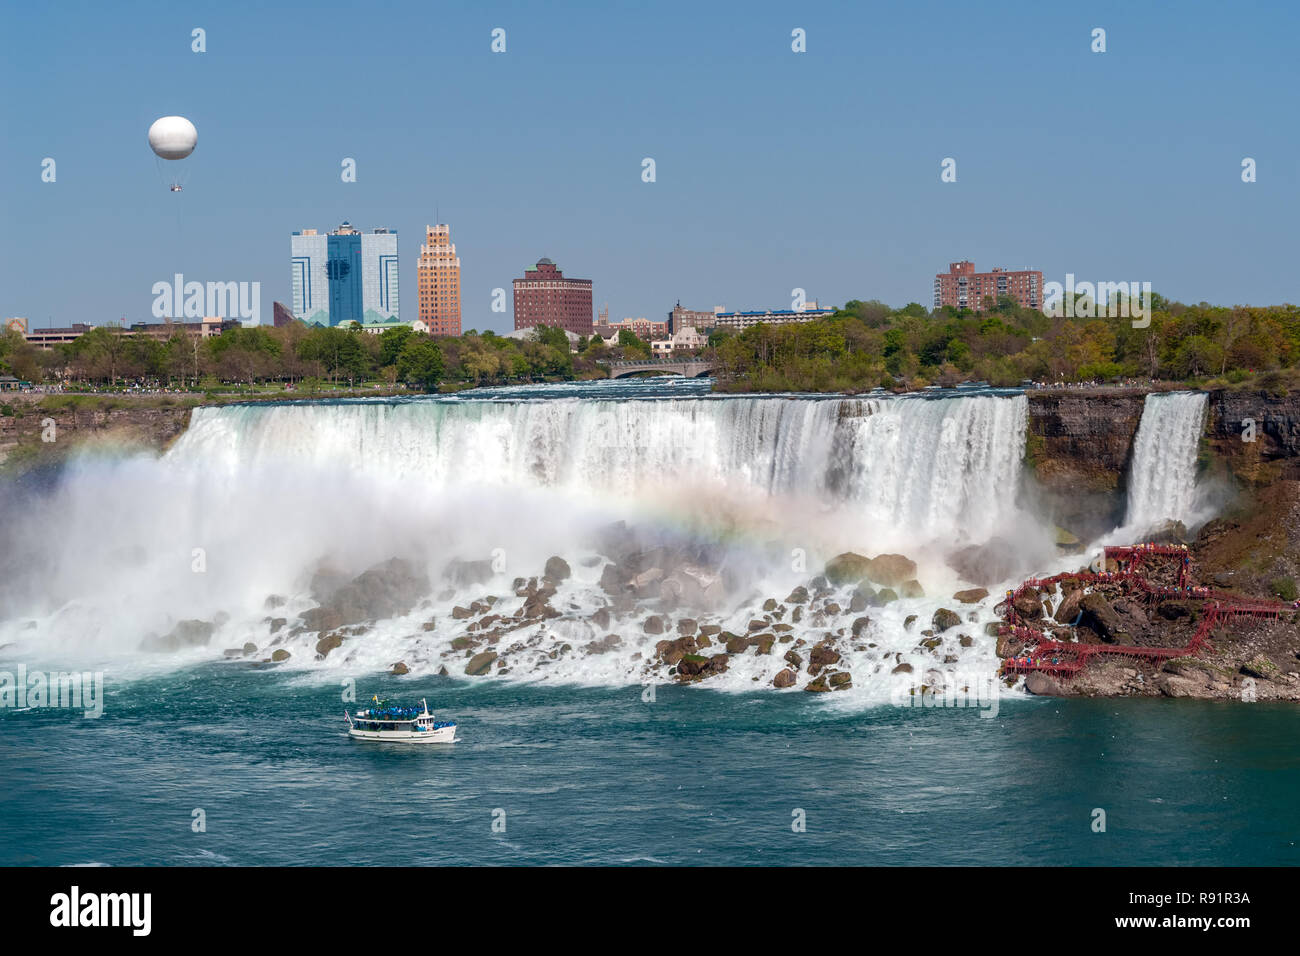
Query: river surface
{"type": "Point", "coordinates": [602, 776]}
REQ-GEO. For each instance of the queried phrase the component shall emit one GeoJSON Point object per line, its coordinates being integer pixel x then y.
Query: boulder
{"type": "Point", "coordinates": [694, 667]}
{"type": "Point", "coordinates": [847, 568]}
{"type": "Point", "coordinates": [187, 633]}
{"type": "Point", "coordinates": [1029, 605]}
{"type": "Point", "coordinates": [653, 624]}
{"type": "Point", "coordinates": [1100, 616]}
{"type": "Point", "coordinates": [601, 618]}
{"type": "Point", "coordinates": [1065, 540]}
{"type": "Point", "coordinates": [328, 643]}
{"type": "Point", "coordinates": [822, 655]}
{"type": "Point", "coordinates": [557, 569]}
{"type": "Point", "coordinates": [1260, 666]}
{"type": "Point", "coordinates": [944, 619]}
{"type": "Point", "coordinates": [671, 652]}
{"type": "Point", "coordinates": [695, 587]}
{"type": "Point", "coordinates": [386, 590]}
{"type": "Point", "coordinates": [279, 655]}
{"type": "Point", "coordinates": [1068, 610]}
{"type": "Point", "coordinates": [798, 596]}
{"type": "Point", "coordinates": [614, 580]}
{"type": "Point", "coordinates": [1042, 685]}
{"type": "Point", "coordinates": [971, 595]}
{"type": "Point", "coordinates": [912, 589]}
{"type": "Point", "coordinates": [785, 678]}
{"type": "Point", "coordinates": [988, 564]}
{"type": "Point", "coordinates": [903, 668]}
{"type": "Point", "coordinates": [686, 627]}
{"type": "Point", "coordinates": [892, 570]}
{"type": "Point", "coordinates": [400, 668]}
{"type": "Point", "coordinates": [480, 663]}
{"type": "Point", "coordinates": [737, 644]}
{"type": "Point", "coordinates": [604, 645]}
{"type": "Point", "coordinates": [817, 686]}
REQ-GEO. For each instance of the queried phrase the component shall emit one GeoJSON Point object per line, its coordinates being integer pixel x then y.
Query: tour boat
{"type": "Point", "coordinates": [403, 725]}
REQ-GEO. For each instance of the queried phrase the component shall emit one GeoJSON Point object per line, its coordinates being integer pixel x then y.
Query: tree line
{"type": "Point", "coordinates": [290, 354]}
{"type": "Point", "coordinates": [866, 345]}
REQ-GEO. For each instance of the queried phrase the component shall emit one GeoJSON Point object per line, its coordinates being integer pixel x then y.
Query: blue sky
{"type": "Point", "coordinates": [775, 170]}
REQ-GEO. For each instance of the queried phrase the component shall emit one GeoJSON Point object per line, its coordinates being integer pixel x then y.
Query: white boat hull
{"type": "Point", "coordinates": [442, 735]}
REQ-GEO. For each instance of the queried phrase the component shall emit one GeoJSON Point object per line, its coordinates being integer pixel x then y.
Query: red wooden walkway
{"type": "Point", "coordinates": [1047, 655]}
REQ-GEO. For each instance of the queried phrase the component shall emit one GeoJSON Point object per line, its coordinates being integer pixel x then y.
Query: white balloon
{"type": "Point", "coordinates": [173, 137]}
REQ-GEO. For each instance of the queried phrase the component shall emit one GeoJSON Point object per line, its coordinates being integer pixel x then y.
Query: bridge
{"type": "Point", "coordinates": [688, 368]}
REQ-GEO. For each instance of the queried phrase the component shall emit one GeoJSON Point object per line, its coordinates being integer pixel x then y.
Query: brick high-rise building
{"type": "Point", "coordinates": [439, 281]}
{"type": "Point", "coordinates": [545, 297]}
{"type": "Point", "coordinates": [964, 288]}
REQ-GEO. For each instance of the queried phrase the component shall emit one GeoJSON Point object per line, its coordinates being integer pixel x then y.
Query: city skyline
{"type": "Point", "coordinates": [1097, 164]}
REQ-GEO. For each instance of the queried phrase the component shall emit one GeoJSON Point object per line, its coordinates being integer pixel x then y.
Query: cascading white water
{"type": "Point", "coordinates": [752, 492]}
{"type": "Point", "coordinates": [1162, 478]}
{"type": "Point", "coordinates": [924, 466]}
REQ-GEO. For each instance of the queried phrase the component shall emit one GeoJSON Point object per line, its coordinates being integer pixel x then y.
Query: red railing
{"type": "Point", "coordinates": [1047, 655]}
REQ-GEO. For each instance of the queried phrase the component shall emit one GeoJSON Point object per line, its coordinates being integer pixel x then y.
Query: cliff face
{"type": "Point", "coordinates": [1257, 435]}
{"type": "Point", "coordinates": [1078, 450]}
{"type": "Point", "coordinates": [26, 424]}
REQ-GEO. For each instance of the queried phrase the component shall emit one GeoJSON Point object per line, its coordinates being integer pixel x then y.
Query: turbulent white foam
{"type": "Point", "coordinates": [1162, 477]}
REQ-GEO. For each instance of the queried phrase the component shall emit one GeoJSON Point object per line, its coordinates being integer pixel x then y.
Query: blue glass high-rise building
{"type": "Point", "coordinates": [345, 275]}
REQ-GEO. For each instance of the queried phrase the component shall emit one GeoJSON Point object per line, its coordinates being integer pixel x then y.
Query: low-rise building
{"type": "Point", "coordinates": [643, 328]}
{"type": "Point", "coordinates": [685, 339]}
{"type": "Point", "coordinates": [381, 326]}
{"type": "Point", "coordinates": [205, 329]}
{"type": "Point", "coordinates": [739, 321]}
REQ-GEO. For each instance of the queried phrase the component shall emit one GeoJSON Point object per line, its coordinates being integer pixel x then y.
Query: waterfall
{"type": "Point", "coordinates": [947, 466]}
{"type": "Point", "coordinates": [1162, 479]}
{"type": "Point", "coordinates": [715, 507]}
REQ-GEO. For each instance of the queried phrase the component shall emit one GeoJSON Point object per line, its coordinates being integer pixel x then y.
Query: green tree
{"type": "Point", "coordinates": [392, 342]}
{"type": "Point", "coordinates": [420, 362]}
